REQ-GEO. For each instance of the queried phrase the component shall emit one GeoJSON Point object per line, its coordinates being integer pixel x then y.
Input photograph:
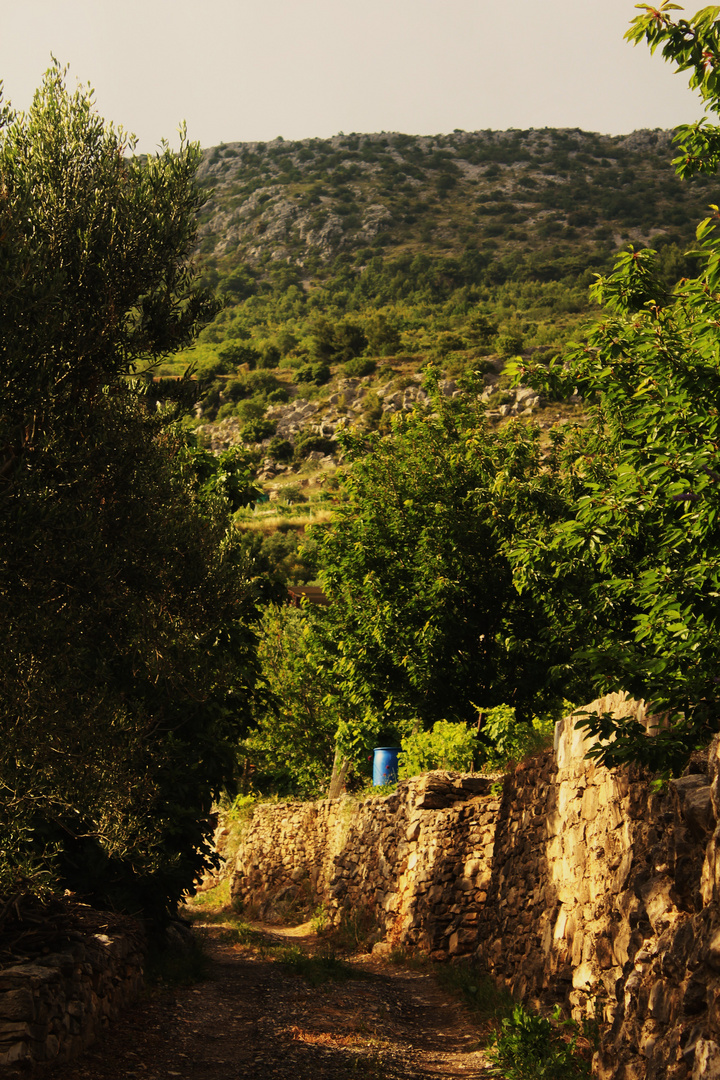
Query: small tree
{"type": "Point", "coordinates": [292, 746]}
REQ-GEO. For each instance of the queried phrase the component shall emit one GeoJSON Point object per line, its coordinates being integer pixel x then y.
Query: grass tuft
{"type": "Point", "coordinates": [318, 969]}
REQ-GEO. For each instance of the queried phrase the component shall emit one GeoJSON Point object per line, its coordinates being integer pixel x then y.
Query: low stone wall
{"type": "Point", "coordinates": [573, 884]}
{"type": "Point", "coordinates": [53, 1008]}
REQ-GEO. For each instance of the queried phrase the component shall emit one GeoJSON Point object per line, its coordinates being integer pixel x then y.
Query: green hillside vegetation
{"type": "Point", "coordinates": [369, 256]}
{"type": "Point", "coordinates": [602, 530]}
{"type": "Point", "coordinates": [501, 518]}
{"type": "Point", "coordinates": [449, 244]}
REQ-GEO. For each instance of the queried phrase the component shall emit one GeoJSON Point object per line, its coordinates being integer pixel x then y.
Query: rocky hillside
{"type": "Point", "coordinates": [509, 191]}
{"type": "Point", "coordinates": [346, 264]}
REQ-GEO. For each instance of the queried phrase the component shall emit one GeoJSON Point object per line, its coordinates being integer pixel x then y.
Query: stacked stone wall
{"type": "Point", "coordinates": [53, 1008]}
{"type": "Point", "coordinates": [569, 883]}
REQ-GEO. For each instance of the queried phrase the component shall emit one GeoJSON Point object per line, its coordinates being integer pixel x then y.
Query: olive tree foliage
{"type": "Point", "coordinates": [424, 618]}
{"type": "Point", "coordinates": [126, 655]}
{"type": "Point", "coordinates": [645, 539]}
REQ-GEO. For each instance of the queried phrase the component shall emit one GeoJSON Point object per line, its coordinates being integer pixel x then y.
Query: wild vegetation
{"type": "Point", "coordinates": [483, 561]}
{"type": "Point", "coordinates": [586, 564]}
{"type": "Point", "coordinates": [397, 244]}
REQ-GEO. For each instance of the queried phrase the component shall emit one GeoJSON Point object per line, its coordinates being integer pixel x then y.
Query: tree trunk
{"type": "Point", "coordinates": [339, 772]}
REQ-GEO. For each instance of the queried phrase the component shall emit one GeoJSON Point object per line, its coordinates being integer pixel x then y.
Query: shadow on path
{"type": "Point", "coordinates": [257, 1018]}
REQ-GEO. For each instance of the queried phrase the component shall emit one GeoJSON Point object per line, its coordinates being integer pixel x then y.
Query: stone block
{"type": "Point", "coordinates": [660, 1001]}
{"type": "Point", "coordinates": [462, 941]}
{"type": "Point", "coordinates": [17, 1052]}
{"type": "Point", "coordinates": [17, 1004]}
{"type": "Point", "coordinates": [590, 804]}
{"type": "Point", "coordinates": [712, 952]}
{"type": "Point", "coordinates": [583, 977]}
{"type": "Point", "coordinates": [413, 831]}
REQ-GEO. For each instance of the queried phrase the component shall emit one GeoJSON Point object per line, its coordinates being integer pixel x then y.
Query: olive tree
{"type": "Point", "coordinates": [126, 655]}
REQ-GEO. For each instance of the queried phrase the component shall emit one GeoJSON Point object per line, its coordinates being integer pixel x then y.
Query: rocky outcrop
{"type": "Point", "coordinates": [569, 883]}
{"type": "Point", "coordinates": [349, 398]}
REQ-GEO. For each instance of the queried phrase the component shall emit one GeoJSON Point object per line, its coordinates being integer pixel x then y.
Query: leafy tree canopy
{"type": "Point", "coordinates": [126, 654]}
{"type": "Point", "coordinates": [425, 618]}
{"type": "Point", "coordinates": [642, 552]}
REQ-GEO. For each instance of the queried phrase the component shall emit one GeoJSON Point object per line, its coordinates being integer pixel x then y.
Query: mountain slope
{"type": "Point", "coordinates": [306, 202]}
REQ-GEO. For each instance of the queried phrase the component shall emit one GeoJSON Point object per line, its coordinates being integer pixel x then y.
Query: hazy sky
{"type": "Point", "coordinates": [255, 69]}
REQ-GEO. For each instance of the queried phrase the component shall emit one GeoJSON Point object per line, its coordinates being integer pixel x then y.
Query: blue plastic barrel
{"type": "Point", "coordinates": [385, 765]}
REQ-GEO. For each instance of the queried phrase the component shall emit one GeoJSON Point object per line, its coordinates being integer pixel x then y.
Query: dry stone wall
{"type": "Point", "coordinates": [53, 1008]}
{"type": "Point", "coordinates": [569, 883]}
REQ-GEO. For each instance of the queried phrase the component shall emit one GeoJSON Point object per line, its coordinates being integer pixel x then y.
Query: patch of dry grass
{"type": "Point", "coordinates": [268, 523]}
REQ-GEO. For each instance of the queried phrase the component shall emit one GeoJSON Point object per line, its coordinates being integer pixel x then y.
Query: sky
{"type": "Point", "coordinates": [246, 70]}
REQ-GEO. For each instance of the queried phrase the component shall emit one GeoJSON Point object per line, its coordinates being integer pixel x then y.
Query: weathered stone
{"type": "Point", "coordinates": [17, 1004]}
{"type": "Point", "coordinates": [462, 941]}
{"type": "Point", "coordinates": [413, 831]}
{"type": "Point", "coordinates": [578, 873]}
{"type": "Point", "coordinates": [706, 1065]}
{"type": "Point", "coordinates": [712, 952]}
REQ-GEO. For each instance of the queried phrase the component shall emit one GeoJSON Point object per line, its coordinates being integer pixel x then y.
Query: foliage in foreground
{"type": "Point", "coordinates": [446, 746]}
{"type": "Point", "coordinates": [127, 659]}
{"type": "Point", "coordinates": [292, 744]}
{"type": "Point", "coordinates": [532, 1047]}
{"type": "Point", "coordinates": [642, 551]}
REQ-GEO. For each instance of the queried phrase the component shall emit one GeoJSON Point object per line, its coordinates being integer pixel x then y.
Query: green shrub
{"type": "Point", "coordinates": [234, 389]}
{"type": "Point", "coordinates": [250, 409]}
{"type": "Point", "coordinates": [233, 353]}
{"type": "Point", "coordinates": [280, 449]}
{"type": "Point", "coordinates": [292, 494]}
{"type": "Point", "coordinates": [257, 430]}
{"type": "Point", "coordinates": [260, 382]}
{"type": "Point", "coordinates": [383, 337]}
{"type": "Point", "coordinates": [509, 343]}
{"type": "Point", "coordinates": [510, 740]}
{"type": "Point", "coordinates": [211, 367]}
{"type": "Point", "coordinates": [531, 1047]}
{"type": "Point", "coordinates": [448, 746]}
{"type": "Point", "coordinates": [269, 357]}
{"type": "Point", "coordinates": [359, 366]}
{"type": "Point", "coordinates": [317, 374]}
{"type": "Point", "coordinates": [308, 443]}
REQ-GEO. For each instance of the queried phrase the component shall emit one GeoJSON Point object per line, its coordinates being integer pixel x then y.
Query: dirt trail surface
{"type": "Point", "coordinates": [256, 1018]}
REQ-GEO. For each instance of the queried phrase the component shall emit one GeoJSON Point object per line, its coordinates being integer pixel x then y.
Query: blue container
{"type": "Point", "coordinates": [385, 765]}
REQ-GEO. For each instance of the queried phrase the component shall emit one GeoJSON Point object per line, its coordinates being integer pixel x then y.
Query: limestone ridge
{"type": "Point", "coordinates": [309, 200]}
{"type": "Point", "coordinates": [574, 884]}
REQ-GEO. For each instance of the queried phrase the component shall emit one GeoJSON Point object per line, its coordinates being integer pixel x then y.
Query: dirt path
{"type": "Point", "coordinates": [258, 1018]}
